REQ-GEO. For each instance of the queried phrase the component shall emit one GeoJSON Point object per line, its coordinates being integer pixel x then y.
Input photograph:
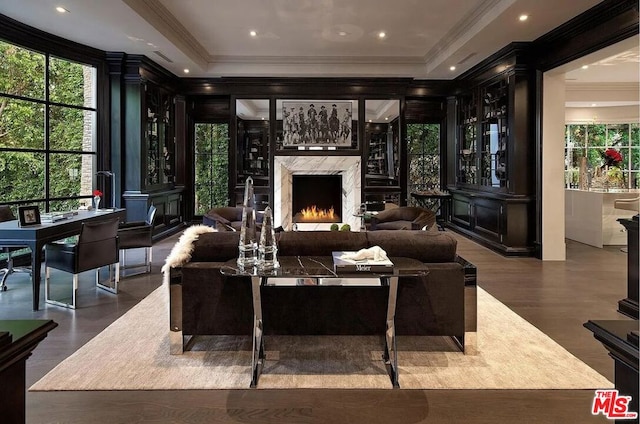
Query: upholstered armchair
{"type": "Point", "coordinates": [97, 246]}
{"type": "Point", "coordinates": [228, 218]}
{"type": "Point", "coordinates": [404, 218]}
{"type": "Point", "coordinates": [137, 235]}
{"type": "Point", "coordinates": [7, 215]}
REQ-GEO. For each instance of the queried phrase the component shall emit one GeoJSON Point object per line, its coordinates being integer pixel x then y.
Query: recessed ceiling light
{"type": "Point", "coordinates": [253, 33]}
{"type": "Point", "coordinates": [452, 68]}
{"type": "Point", "coordinates": [382, 34]}
{"type": "Point", "coordinates": [186, 70]}
{"type": "Point", "coordinates": [593, 105]}
{"type": "Point", "coordinates": [386, 118]}
{"type": "Point", "coordinates": [523, 18]}
{"type": "Point", "coordinates": [342, 33]}
{"type": "Point", "coordinates": [370, 120]}
{"type": "Point", "coordinates": [61, 9]}
{"type": "Point", "coordinates": [585, 66]}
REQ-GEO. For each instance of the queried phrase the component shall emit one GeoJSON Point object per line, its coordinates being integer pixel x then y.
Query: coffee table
{"type": "Point", "coordinates": [319, 270]}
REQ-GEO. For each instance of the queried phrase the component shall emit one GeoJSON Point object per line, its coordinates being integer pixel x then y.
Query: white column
{"type": "Point", "coordinates": [553, 206]}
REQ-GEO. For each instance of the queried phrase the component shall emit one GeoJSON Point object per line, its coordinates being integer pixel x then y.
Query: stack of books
{"type": "Point", "coordinates": [341, 264]}
{"type": "Point", "coordinates": [56, 216]}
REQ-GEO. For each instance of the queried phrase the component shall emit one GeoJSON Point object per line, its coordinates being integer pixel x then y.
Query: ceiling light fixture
{"type": "Point", "coordinates": [342, 33]}
{"type": "Point", "coordinates": [452, 68]}
{"type": "Point", "coordinates": [585, 66]}
{"type": "Point", "coordinates": [186, 70]}
{"type": "Point", "coordinates": [382, 34]}
{"type": "Point", "coordinates": [523, 18]}
{"type": "Point", "coordinates": [593, 105]}
{"type": "Point", "coordinates": [253, 33]}
{"type": "Point", "coordinates": [61, 9]}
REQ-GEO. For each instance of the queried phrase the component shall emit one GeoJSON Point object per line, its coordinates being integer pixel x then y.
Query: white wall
{"type": "Point", "coordinates": [553, 121]}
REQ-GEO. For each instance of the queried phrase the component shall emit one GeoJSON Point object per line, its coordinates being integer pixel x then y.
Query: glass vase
{"type": "Point", "coordinates": [247, 246]}
{"type": "Point", "coordinates": [268, 249]}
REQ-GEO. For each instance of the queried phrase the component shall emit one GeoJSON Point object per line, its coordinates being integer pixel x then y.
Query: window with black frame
{"type": "Point", "coordinates": [423, 155]}
{"type": "Point", "coordinates": [211, 166]}
{"type": "Point", "coordinates": [48, 119]}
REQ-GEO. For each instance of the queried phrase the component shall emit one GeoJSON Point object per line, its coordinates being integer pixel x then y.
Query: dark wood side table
{"type": "Point", "coordinates": [18, 338]}
{"type": "Point", "coordinates": [620, 338]}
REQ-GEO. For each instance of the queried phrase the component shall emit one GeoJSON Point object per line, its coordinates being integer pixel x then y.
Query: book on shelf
{"type": "Point", "coordinates": [342, 264]}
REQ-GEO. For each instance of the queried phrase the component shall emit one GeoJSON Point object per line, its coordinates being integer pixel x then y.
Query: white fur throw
{"type": "Point", "coordinates": [181, 251]}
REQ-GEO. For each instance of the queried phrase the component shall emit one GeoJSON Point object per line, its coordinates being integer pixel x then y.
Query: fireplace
{"type": "Point", "coordinates": [316, 198]}
{"type": "Point", "coordinates": [287, 167]}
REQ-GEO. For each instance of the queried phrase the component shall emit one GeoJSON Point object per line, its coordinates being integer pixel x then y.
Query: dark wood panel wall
{"type": "Point", "coordinates": [212, 100]}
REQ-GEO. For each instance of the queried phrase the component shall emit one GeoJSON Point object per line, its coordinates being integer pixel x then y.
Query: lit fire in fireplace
{"type": "Point", "coordinates": [312, 213]}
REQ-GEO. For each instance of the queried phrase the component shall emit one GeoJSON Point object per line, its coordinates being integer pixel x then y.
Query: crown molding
{"type": "Point", "coordinates": [164, 22]}
{"type": "Point", "coordinates": [314, 60]}
{"type": "Point", "coordinates": [464, 30]}
{"type": "Point", "coordinates": [602, 86]}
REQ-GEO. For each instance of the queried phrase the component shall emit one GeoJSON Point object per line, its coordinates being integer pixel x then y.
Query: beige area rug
{"type": "Point", "coordinates": [133, 354]}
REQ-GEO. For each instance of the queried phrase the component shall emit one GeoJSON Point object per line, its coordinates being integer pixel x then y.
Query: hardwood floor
{"type": "Point", "coordinates": [556, 297]}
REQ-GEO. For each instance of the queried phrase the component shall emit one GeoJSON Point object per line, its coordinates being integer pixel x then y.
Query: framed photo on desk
{"type": "Point", "coordinates": [28, 215]}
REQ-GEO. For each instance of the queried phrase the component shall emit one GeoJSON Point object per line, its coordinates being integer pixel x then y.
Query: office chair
{"type": "Point", "coordinates": [97, 246]}
{"type": "Point", "coordinates": [7, 215]}
{"type": "Point", "coordinates": [137, 234]}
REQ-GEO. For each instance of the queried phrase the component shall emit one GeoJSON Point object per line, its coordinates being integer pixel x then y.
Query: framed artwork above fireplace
{"type": "Point", "coordinates": [317, 124]}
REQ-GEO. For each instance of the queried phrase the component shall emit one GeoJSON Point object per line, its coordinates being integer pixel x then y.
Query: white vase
{"type": "Point", "coordinates": [96, 202]}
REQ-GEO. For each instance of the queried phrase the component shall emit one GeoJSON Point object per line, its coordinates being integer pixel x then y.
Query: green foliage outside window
{"type": "Point", "coordinates": [211, 166]}
{"type": "Point", "coordinates": [591, 140]}
{"type": "Point", "coordinates": [423, 144]}
{"type": "Point", "coordinates": [34, 168]}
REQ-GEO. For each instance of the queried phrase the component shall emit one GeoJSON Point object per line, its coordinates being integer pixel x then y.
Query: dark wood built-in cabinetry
{"type": "Point", "coordinates": [150, 147]}
{"type": "Point", "coordinates": [492, 194]}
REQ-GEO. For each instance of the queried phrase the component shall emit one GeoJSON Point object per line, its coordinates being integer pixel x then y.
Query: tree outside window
{"type": "Point", "coordinates": [48, 166]}
{"type": "Point", "coordinates": [211, 166]}
{"type": "Point", "coordinates": [423, 143]}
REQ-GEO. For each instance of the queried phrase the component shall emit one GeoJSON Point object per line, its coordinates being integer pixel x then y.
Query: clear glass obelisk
{"type": "Point", "coordinates": [268, 249]}
{"type": "Point", "coordinates": [247, 247]}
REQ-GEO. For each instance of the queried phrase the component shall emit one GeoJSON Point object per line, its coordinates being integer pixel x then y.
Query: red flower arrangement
{"type": "Point", "coordinates": [612, 157]}
{"type": "Point", "coordinates": [97, 192]}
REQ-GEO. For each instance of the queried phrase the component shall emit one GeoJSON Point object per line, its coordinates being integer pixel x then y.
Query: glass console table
{"type": "Point", "coordinates": [318, 270]}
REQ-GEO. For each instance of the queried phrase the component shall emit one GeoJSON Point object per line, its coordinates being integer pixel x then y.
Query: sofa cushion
{"type": "Point", "coordinates": [426, 246]}
{"type": "Point", "coordinates": [216, 247]}
{"type": "Point", "coordinates": [319, 243]}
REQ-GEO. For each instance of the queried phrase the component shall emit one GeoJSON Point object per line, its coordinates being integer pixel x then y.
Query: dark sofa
{"type": "Point", "coordinates": [205, 302]}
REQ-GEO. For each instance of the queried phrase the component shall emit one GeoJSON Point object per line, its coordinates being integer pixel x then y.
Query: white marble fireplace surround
{"type": "Point", "coordinates": [286, 166]}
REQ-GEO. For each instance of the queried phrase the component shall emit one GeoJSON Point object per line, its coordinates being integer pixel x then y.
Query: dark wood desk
{"type": "Point", "coordinates": [36, 236]}
{"type": "Point", "coordinates": [22, 338]}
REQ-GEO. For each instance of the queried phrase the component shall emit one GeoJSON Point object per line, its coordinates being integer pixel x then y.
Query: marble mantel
{"type": "Point", "coordinates": [286, 166]}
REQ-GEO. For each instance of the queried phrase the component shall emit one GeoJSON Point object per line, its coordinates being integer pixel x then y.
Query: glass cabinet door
{"type": "Point", "coordinates": [467, 139]}
{"type": "Point", "coordinates": [494, 137]}
{"type": "Point", "coordinates": [158, 136]}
